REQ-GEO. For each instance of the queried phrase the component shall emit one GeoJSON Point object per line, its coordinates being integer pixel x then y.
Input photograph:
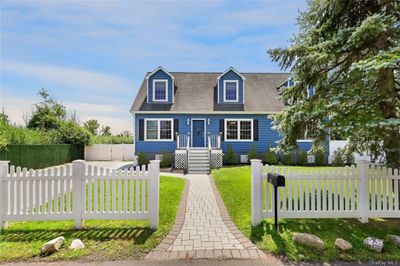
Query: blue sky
{"type": "Point", "coordinates": [93, 55]}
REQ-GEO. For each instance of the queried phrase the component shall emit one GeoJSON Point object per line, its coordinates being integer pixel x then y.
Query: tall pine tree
{"type": "Point", "coordinates": [350, 52]}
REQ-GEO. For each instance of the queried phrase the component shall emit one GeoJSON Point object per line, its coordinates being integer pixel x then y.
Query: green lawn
{"type": "Point", "coordinates": [104, 240]}
{"type": "Point", "coordinates": [233, 183]}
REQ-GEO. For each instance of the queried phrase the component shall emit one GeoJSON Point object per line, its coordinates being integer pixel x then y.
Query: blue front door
{"type": "Point", "coordinates": [198, 133]}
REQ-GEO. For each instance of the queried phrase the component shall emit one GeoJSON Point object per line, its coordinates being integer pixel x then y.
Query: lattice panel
{"type": "Point", "coordinates": [181, 159]}
{"type": "Point", "coordinates": [216, 159]}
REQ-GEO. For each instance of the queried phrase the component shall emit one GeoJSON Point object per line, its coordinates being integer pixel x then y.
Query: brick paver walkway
{"type": "Point", "coordinates": [203, 228]}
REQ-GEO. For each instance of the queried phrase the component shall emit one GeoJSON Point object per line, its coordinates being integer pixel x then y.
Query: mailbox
{"type": "Point", "coordinates": [276, 180]}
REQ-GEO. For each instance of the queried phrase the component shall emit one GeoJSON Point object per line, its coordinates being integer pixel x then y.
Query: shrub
{"type": "Point", "coordinates": [252, 153]}
{"type": "Point", "coordinates": [349, 158]}
{"type": "Point", "coordinates": [301, 158]}
{"type": "Point", "coordinates": [167, 160]}
{"type": "Point", "coordinates": [69, 132]}
{"type": "Point", "coordinates": [286, 158]}
{"type": "Point", "coordinates": [271, 157]}
{"type": "Point", "coordinates": [142, 159]}
{"type": "Point", "coordinates": [319, 158]}
{"type": "Point", "coordinates": [106, 139]}
{"type": "Point", "coordinates": [230, 155]}
{"type": "Point", "coordinates": [338, 157]}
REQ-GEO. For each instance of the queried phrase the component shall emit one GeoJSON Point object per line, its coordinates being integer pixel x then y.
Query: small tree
{"type": "Point", "coordinates": [301, 157]}
{"type": "Point", "coordinates": [230, 155]}
{"type": "Point", "coordinates": [69, 132]}
{"type": "Point", "coordinates": [92, 125]}
{"type": "Point", "coordinates": [106, 131]}
{"type": "Point", "coordinates": [252, 153]}
{"type": "Point", "coordinates": [167, 160]}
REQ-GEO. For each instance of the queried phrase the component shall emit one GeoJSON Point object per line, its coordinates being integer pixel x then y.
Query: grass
{"type": "Point", "coordinates": [104, 240]}
{"type": "Point", "coordinates": [233, 183]}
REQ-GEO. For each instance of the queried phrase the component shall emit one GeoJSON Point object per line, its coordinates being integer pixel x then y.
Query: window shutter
{"type": "Point", "coordinates": [221, 128]}
{"type": "Point", "coordinates": [255, 130]}
{"type": "Point", "coordinates": [141, 129]}
{"type": "Point", "coordinates": [176, 128]}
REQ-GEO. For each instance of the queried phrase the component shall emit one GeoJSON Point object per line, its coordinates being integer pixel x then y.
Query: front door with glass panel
{"type": "Point", "coordinates": [198, 133]}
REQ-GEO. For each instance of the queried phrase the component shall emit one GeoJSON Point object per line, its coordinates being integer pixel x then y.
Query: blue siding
{"type": "Point", "coordinates": [311, 91]}
{"type": "Point", "coordinates": [231, 75]}
{"type": "Point", "coordinates": [267, 136]}
{"type": "Point", "coordinates": [160, 74]}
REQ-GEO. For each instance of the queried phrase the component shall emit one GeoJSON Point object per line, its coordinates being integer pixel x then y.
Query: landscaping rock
{"type": "Point", "coordinates": [76, 244]}
{"type": "Point", "coordinates": [342, 244]}
{"type": "Point", "coordinates": [374, 244]}
{"type": "Point", "coordinates": [394, 239]}
{"type": "Point", "coordinates": [309, 240]}
{"type": "Point", "coordinates": [52, 246]}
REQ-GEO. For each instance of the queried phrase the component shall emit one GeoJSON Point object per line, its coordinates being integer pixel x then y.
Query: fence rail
{"type": "Point", "coordinates": [78, 192]}
{"type": "Point", "coordinates": [363, 192]}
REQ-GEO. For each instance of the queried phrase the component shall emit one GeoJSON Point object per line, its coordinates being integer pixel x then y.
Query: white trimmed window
{"type": "Point", "coordinates": [238, 129]}
{"type": "Point", "coordinates": [231, 90]}
{"type": "Point", "coordinates": [160, 90]}
{"type": "Point", "coordinates": [158, 129]}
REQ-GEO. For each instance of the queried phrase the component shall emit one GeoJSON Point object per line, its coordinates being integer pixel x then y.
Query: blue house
{"type": "Point", "coordinates": [196, 115]}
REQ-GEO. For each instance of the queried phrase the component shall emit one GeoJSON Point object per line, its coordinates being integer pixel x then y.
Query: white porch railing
{"type": "Point", "coordinates": [182, 141]}
{"type": "Point", "coordinates": [363, 192]}
{"type": "Point", "coordinates": [78, 192]}
{"type": "Point", "coordinates": [214, 141]}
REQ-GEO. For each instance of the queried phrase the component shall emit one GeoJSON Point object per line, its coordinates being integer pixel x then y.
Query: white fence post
{"type": "Point", "coordinates": [78, 183]}
{"type": "Point", "coordinates": [256, 171]}
{"type": "Point", "coordinates": [363, 191]}
{"type": "Point", "coordinates": [3, 200]}
{"type": "Point", "coordinates": [154, 192]}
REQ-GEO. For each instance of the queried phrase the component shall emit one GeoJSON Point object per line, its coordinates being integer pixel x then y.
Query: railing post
{"type": "Point", "coordinates": [256, 172]}
{"type": "Point", "coordinates": [78, 188]}
{"type": "Point", "coordinates": [188, 142]}
{"type": "Point", "coordinates": [154, 192]}
{"type": "Point", "coordinates": [363, 190]}
{"type": "Point", "coordinates": [219, 141]}
{"type": "Point", "coordinates": [3, 200]}
{"type": "Point", "coordinates": [177, 141]}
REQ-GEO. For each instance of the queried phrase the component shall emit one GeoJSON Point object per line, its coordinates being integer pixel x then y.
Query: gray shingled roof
{"type": "Point", "coordinates": [197, 92]}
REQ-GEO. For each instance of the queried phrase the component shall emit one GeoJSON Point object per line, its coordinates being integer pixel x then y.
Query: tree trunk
{"type": "Point", "coordinates": [391, 136]}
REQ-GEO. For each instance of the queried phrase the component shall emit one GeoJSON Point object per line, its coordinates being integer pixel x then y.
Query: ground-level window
{"type": "Point", "coordinates": [160, 89]}
{"type": "Point", "coordinates": [239, 129]}
{"type": "Point", "coordinates": [158, 129]}
{"type": "Point", "coordinates": [309, 133]}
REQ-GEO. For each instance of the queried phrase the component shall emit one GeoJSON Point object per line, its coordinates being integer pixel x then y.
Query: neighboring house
{"type": "Point", "coordinates": [196, 115]}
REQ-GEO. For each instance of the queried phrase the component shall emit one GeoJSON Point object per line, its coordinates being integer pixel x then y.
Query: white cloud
{"type": "Point", "coordinates": [75, 78]}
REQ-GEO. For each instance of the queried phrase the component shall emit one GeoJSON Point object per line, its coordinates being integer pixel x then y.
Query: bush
{"type": "Point", "coordinates": [252, 153]}
{"type": "Point", "coordinates": [271, 157]}
{"type": "Point", "coordinates": [69, 132]}
{"type": "Point", "coordinates": [301, 158]}
{"type": "Point", "coordinates": [319, 158]}
{"type": "Point", "coordinates": [106, 139]}
{"type": "Point", "coordinates": [338, 157]}
{"type": "Point", "coordinates": [167, 160]}
{"type": "Point", "coordinates": [230, 155]}
{"type": "Point", "coordinates": [286, 158]}
{"type": "Point", "coordinates": [142, 159]}
{"type": "Point", "coordinates": [349, 158]}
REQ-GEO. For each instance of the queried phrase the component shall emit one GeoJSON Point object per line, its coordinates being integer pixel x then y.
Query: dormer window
{"type": "Point", "coordinates": [231, 91]}
{"type": "Point", "coordinates": [160, 91]}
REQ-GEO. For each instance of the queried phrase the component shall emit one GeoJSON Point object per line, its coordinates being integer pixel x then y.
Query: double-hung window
{"type": "Point", "coordinates": [231, 90]}
{"type": "Point", "coordinates": [158, 129]}
{"type": "Point", "coordinates": [160, 90]}
{"type": "Point", "coordinates": [239, 129]}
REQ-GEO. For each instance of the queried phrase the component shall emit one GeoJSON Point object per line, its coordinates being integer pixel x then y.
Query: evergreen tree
{"type": "Point", "coordinates": [350, 52]}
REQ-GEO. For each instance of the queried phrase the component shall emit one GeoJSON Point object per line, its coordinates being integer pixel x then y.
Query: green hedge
{"type": "Point", "coordinates": [41, 156]}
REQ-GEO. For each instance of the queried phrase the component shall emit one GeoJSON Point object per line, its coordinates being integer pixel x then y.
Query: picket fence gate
{"type": "Point", "coordinates": [79, 191]}
{"type": "Point", "coordinates": [365, 191]}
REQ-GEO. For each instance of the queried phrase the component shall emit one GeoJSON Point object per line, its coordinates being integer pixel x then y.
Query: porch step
{"type": "Point", "coordinates": [198, 161]}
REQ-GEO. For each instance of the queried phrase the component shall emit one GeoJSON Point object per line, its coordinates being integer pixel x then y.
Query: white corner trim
{"type": "Point", "coordinates": [237, 91]}
{"type": "Point", "coordinates": [238, 130]}
{"type": "Point", "coordinates": [166, 90]}
{"type": "Point", "coordinates": [234, 70]}
{"type": "Point", "coordinates": [159, 68]}
{"type": "Point", "coordinates": [158, 128]}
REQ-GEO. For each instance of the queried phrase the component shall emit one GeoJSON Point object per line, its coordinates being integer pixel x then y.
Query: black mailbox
{"type": "Point", "coordinates": [276, 180]}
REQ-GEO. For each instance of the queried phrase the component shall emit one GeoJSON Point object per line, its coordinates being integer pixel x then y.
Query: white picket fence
{"type": "Point", "coordinates": [365, 191]}
{"type": "Point", "coordinates": [78, 192]}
